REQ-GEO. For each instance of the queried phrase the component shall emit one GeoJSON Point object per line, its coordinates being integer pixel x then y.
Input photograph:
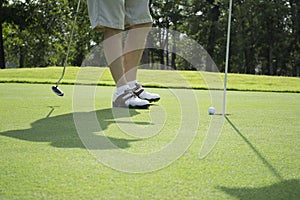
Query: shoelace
{"type": "Point", "coordinates": [138, 89]}
{"type": "Point", "coordinates": [130, 93]}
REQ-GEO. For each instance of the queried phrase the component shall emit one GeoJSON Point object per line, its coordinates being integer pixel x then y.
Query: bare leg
{"type": "Point", "coordinates": [136, 39]}
{"type": "Point", "coordinates": [113, 50]}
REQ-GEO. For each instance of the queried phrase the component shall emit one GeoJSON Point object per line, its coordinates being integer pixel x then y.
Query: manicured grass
{"type": "Point", "coordinates": [155, 78]}
{"type": "Point", "coordinates": [42, 156]}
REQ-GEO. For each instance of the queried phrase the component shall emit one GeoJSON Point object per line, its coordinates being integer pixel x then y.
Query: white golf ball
{"type": "Point", "coordinates": [211, 110]}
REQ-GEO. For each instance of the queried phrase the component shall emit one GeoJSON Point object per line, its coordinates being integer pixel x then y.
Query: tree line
{"type": "Point", "coordinates": [265, 34]}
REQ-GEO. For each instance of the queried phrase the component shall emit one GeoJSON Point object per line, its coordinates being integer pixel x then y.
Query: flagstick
{"type": "Point", "coordinates": [227, 57]}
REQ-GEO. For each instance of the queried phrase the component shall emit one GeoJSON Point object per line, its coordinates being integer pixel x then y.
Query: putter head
{"type": "Point", "coordinates": [57, 91]}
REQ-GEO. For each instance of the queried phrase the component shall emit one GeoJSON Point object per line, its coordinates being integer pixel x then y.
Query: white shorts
{"type": "Point", "coordinates": [118, 14]}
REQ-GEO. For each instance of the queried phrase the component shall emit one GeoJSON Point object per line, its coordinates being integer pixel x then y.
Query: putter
{"type": "Point", "coordinates": [55, 88]}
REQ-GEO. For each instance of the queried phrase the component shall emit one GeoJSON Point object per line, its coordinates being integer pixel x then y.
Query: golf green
{"type": "Point", "coordinates": [43, 155]}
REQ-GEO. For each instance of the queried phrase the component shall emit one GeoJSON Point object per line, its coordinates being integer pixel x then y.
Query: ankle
{"type": "Point", "coordinates": [131, 84]}
{"type": "Point", "coordinates": [120, 90]}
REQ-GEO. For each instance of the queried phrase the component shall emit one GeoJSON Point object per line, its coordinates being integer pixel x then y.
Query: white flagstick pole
{"type": "Point", "coordinates": [227, 57]}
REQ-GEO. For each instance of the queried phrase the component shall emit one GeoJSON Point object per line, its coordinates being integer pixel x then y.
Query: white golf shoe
{"type": "Point", "coordinates": [129, 100]}
{"type": "Point", "coordinates": [139, 91]}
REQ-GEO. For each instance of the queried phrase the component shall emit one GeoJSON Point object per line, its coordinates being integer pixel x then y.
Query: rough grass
{"type": "Point", "coordinates": [155, 78]}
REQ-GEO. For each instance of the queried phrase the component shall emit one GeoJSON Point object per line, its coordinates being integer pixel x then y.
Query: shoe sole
{"type": "Point", "coordinates": [131, 107]}
{"type": "Point", "coordinates": [153, 100]}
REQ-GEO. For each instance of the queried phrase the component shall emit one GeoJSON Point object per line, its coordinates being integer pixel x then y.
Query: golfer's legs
{"type": "Point", "coordinates": [134, 47]}
{"type": "Point", "coordinates": [113, 50]}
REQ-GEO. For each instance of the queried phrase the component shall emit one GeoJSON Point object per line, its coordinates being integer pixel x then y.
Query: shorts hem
{"type": "Point", "coordinates": [100, 28]}
{"type": "Point", "coordinates": [140, 21]}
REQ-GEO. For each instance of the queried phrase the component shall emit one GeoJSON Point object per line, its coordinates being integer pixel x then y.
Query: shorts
{"type": "Point", "coordinates": [118, 14]}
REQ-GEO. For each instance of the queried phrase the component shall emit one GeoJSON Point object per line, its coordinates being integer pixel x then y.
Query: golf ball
{"type": "Point", "coordinates": [211, 110]}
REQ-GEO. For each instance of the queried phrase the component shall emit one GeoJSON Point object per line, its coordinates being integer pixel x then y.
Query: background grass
{"type": "Point", "coordinates": [42, 157]}
{"type": "Point", "coordinates": [156, 78]}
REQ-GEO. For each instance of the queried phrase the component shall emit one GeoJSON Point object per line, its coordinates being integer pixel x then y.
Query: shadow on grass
{"type": "Point", "coordinates": [259, 155]}
{"type": "Point", "coordinates": [288, 190]}
{"type": "Point", "coordinates": [60, 131]}
{"type": "Point", "coordinates": [284, 189]}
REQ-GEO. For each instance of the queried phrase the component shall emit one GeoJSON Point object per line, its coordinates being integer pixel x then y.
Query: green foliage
{"type": "Point", "coordinates": [265, 35]}
{"type": "Point", "coordinates": [40, 30]}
